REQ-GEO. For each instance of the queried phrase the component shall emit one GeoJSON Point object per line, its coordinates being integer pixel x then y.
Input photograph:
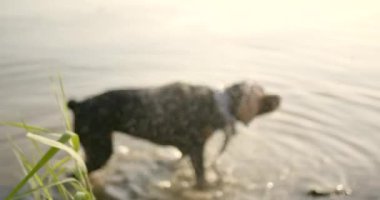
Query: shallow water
{"type": "Point", "coordinates": [321, 58]}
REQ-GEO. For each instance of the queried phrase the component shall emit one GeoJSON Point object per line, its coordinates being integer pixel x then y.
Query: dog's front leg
{"type": "Point", "coordinates": [197, 160]}
{"type": "Point", "coordinates": [98, 149]}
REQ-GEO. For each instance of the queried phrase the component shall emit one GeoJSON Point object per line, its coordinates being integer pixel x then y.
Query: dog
{"type": "Point", "coordinates": [177, 114]}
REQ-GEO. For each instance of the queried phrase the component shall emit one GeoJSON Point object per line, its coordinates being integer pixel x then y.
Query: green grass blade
{"type": "Point", "coordinates": [68, 150]}
{"type": "Point", "coordinates": [64, 100]}
{"type": "Point", "coordinates": [29, 128]}
{"type": "Point", "coordinates": [41, 181]}
{"type": "Point", "coordinates": [74, 140]}
{"type": "Point", "coordinates": [48, 155]}
{"type": "Point", "coordinates": [61, 100]}
{"type": "Point", "coordinates": [54, 184]}
{"type": "Point", "coordinates": [60, 146]}
{"type": "Point", "coordinates": [51, 175]}
{"type": "Point", "coordinates": [27, 166]}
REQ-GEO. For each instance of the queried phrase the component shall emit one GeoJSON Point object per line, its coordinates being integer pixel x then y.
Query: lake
{"type": "Point", "coordinates": [322, 57]}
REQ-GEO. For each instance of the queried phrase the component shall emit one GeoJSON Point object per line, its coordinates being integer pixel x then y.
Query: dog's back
{"type": "Point", "coordinates": [174, 114]}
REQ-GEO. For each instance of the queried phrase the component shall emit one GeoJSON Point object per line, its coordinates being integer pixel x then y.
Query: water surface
{"type": "Point", "coordinates": [321, 57]}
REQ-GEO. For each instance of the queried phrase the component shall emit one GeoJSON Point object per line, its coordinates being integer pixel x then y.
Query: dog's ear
{"type": "Point", "coordinates": [269, 103]}
{"type": "Point", "coordinates": [72, 104]}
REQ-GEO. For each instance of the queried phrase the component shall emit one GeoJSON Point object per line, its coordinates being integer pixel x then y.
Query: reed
{"type": "Point", "coordinates": [46, 173]}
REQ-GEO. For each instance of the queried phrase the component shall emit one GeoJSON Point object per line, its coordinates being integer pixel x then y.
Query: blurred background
{"type": "Point", "coordinates": [322, 57]}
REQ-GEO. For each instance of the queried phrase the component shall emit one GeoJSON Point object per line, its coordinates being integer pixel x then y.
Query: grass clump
{"type": "Point", "coordinates": [45, 173]}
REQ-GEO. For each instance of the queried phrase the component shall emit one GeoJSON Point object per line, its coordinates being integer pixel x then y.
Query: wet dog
{"type": "Point", "coordinates": [178, 114]}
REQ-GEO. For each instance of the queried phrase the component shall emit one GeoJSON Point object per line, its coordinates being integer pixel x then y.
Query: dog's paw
{"type": "Point", "coordinates": [202, 186]}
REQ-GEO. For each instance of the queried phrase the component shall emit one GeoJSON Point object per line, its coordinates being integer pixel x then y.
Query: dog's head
{"type": "Point", "coordinates": [249, 100]}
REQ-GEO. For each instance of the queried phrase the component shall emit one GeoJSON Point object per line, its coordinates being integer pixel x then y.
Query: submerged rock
{"type": "Point", "coordinates": [322, 192]}
{"type": "Point", "coordinates": [147, 175]}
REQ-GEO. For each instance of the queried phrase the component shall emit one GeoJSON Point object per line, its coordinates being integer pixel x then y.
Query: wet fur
{"type": "Point", "coordinates": [178, 114]}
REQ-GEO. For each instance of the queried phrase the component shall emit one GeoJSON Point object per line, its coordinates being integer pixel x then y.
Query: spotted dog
{"type": "Point", "coordinates": [178, 114]}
